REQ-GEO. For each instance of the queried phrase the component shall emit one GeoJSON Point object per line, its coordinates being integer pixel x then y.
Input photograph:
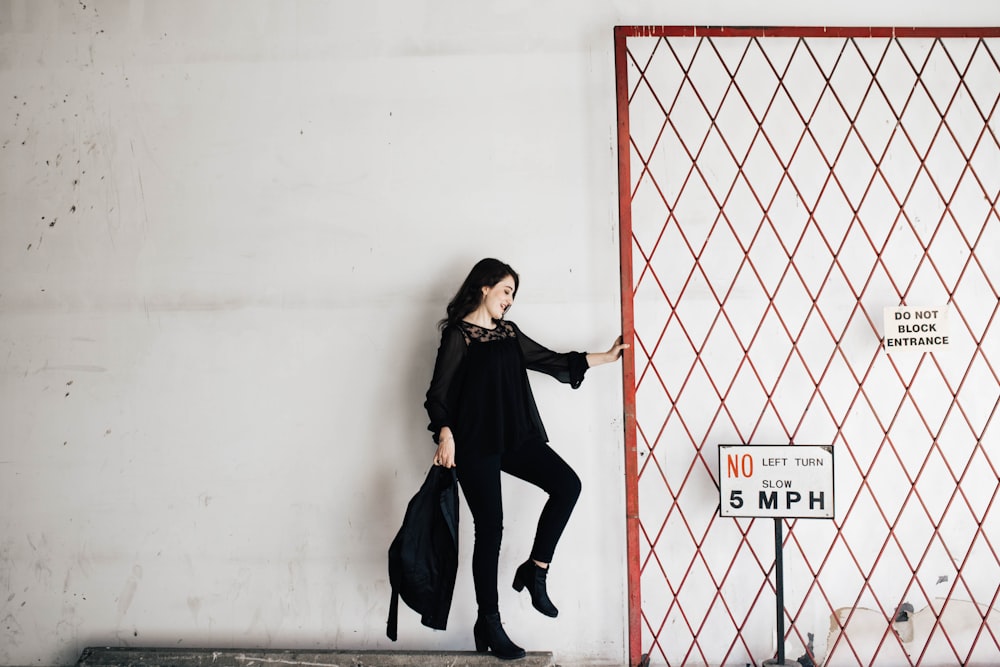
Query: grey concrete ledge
{"type": "Point", "coordinates": [169, 657]}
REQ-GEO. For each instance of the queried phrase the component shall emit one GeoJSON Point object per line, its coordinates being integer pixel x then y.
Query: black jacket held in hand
{"type": "Point", "coordinates": [423, 557]}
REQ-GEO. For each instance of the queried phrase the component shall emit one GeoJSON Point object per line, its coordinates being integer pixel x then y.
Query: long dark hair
{"type": "Point", "coordinates": [486, 273]}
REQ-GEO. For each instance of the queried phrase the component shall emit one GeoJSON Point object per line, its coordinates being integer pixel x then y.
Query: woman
{"type": "Point", "coordinates": [484, 420]}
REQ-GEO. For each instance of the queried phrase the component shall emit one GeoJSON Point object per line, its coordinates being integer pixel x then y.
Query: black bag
{"type": "Point", "coordinates": [423, 557]}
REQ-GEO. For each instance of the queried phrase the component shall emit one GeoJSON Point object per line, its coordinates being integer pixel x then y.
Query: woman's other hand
{"type": "Point", "coordinates": [445, 454]}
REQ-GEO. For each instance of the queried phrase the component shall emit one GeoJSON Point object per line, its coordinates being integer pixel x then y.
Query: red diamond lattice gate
{"type": "Point", "coordinates": [778, 189]}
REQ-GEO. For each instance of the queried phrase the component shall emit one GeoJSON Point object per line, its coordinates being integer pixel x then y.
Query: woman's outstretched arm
{"type": "Point", "coordinates": [614, 353]}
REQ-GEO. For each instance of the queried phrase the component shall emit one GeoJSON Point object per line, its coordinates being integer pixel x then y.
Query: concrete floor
{"type": "Point", "coordinates": [164, 657]}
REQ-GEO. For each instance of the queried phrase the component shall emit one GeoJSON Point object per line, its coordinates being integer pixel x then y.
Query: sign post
{"type": "Point", "coordinates": [779, 482]}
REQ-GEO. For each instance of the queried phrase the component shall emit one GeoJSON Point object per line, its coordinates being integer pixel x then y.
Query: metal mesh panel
{"type": "Point", "coordinates": [782, 190]}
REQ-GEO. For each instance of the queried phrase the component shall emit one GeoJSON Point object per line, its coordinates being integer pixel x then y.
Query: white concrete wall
{"type": "Point", "coordinates": [227, 230]}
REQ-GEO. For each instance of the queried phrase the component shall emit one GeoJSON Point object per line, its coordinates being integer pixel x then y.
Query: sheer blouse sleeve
{"type": "Point", "coordinates": [450, 355]}
{"type": "Point", "coordinates": [567, 367]}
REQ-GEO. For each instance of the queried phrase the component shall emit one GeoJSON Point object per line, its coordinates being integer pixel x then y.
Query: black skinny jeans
{"type": "Point", "coordinates": [536, 464]}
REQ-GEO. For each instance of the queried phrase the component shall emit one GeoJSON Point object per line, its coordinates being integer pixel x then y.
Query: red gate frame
{"type": "Point", "coordinates": [621, 33]}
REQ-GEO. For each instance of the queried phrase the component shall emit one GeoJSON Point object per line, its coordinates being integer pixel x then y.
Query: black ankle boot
{"type": "Point", "coordinates": [532, 576]}
{"type": "Point", "coordinates": [489, 634]}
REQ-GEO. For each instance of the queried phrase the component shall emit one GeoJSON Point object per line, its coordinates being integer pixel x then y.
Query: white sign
{"type": "Point", "coordinates": [915, 329]}
{"type": "Point", "coordinates": [780, 481]}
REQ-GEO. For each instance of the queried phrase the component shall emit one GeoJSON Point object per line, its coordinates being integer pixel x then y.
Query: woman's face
{"type": "Point", "coordinates": [498, 298]}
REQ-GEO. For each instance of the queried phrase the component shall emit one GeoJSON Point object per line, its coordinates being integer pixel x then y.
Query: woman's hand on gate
{"type": "Point", "coordinates": [614, 353]}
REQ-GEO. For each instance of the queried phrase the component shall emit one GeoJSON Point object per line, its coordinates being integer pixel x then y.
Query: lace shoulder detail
{"type": "Point", "coordinates": [475, 333]}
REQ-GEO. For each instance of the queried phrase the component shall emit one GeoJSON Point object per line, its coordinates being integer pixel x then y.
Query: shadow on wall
{"type": "Point", "coordinates": [406, 456]}
{"type": "Point", "coordinates": [404, 445]}
{"type": "Point", "coordinates": [865, 629]}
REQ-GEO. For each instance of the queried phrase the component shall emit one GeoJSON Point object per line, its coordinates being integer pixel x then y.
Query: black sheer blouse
{"type": "Point", "coordinates": [480, 387]}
